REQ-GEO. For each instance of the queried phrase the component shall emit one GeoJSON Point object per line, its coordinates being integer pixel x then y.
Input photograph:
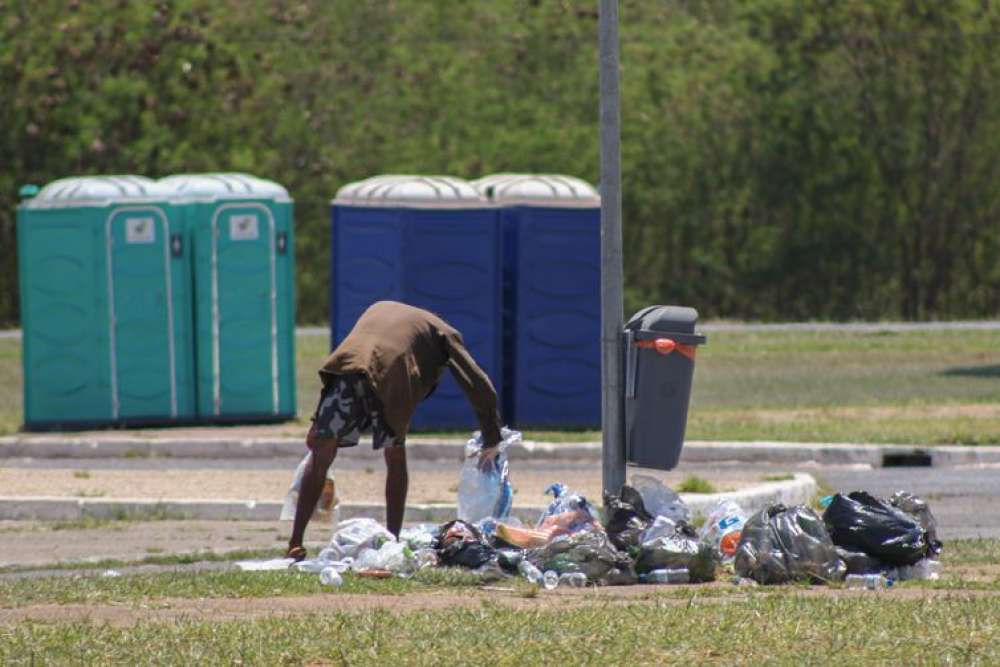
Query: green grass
{"type": "Point", "coordinates": [772, 629]}
{"type": "Point", "coordinates": [165, 559]}
{"type": "Point", "coordinates": [919, 388]}
{"type": "Point", "coordinates": [146, 588]}
{"type": "Point", "coordinates": [695, 484]}
{"type": "Point", "coordinates": [777, 478]}
{"type": "Point", "coordinates": [689, 624]}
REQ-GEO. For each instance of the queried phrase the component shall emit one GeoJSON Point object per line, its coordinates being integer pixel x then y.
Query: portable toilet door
{"type": "Point", "coordinates": [244, 262]}
{"type": "Point", "coordinates": [552, 313]}
{"type": "Point", "coordinates": [431, 242]}
{"type": "Point", "coordinates": [105, 303]}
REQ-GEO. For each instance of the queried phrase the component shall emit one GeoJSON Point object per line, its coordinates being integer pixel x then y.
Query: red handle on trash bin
{"type": "Point", "coordinates": [666, 345]}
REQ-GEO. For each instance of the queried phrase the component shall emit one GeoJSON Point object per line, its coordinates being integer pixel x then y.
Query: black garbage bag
{"type": "Point", "coordinates": [861, 522]}
{"type": "Point", "coordinates": [460, 543]}
{"type": "Point", "coordinates": [625, 518]}
{"type": "Point", "coordinates": [682, 549]}
{"type": "Point", "coordinates": [858, 562]}
{"type": "Point", "coordinates": [781, 544]}
{"type": "Point", "coordinates": [586, 551]}
{"type": "Point", "coordinates": [918, 507]}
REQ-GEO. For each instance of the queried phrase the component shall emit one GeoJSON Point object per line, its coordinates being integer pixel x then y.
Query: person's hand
{"type": "Point", "coordinates": [487, 457]}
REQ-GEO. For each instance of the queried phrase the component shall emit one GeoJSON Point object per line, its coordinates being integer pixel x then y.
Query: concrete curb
{"type": "Point", "coordinates": [800, 489]}
{"type": "Point", "coordinates": [55, 447]}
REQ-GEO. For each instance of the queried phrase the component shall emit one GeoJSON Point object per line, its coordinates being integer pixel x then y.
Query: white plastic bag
{"type": "Point", "coordinates": [328, 507]}
{"type": "Point", "coordinates": [396, 557]}
{"type": "Point", "coordinates": [354, 535]}
{"type": "Point", "coordinates": [483, 495]}
{"type": "Point", "coordinates": [661, 527]}
{"type": "Point", "coordinates": [420, 536]}
{"type": "Point", "coordinates": [270, 565]}
{"type": "Point", "coordinates": [661, 500]}
{"type": "Point", "coordinates": [723, 528]}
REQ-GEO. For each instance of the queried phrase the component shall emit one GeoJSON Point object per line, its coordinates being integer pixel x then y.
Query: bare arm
{"type": "Point", "coordinates": [477, 388]}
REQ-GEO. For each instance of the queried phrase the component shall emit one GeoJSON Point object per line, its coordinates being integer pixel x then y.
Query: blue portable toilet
{"type": "Point", "coordinates": [432, 242]}
{"type": "Point", "coordinates": [105, 280]}
{"type": "Point", "coordinates": [552, 300]}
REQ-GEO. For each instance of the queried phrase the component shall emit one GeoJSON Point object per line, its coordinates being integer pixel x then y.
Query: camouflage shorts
{"type": "Point", "coordinates": [347, 408]}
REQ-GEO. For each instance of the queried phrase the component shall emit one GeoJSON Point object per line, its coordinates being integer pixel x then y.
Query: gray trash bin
{"type": "Point", "coordinates": [660, 346]}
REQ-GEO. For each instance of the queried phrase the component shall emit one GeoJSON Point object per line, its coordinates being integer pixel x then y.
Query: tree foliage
{"type": "Point", "coordinates": [782, 159]}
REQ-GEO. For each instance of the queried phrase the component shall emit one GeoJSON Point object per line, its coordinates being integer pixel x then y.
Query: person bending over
{"type": "Point", "coordinates": [391, 360]}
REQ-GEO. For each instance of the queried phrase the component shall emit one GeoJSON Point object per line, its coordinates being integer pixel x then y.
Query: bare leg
{"type": "Point", "coordinates": [323, 454]}
{"type": "Point", "coordinates": [396, 484]}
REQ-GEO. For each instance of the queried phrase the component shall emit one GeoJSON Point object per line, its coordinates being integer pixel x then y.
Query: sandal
{"type": "Point", "coordinates": [296, 553]}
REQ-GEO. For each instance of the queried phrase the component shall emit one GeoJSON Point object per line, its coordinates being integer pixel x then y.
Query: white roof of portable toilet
{"type": "Point", "coordinates": [538, 190]}
{"type": "Point", "coordinates": [96, 191]}
{"type": "Point", "coordinates": [210, 187]}
{"type": "Point", "coordinates": [410, 191]}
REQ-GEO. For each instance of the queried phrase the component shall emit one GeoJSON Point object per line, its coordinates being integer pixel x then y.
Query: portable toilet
{"type": "Point", "coordinates": [104, 269]}
{"type": "Point", "coordinates": [552, 300]}
{"type": "Point", "coordinates": [244, 302]}
{"type": "Point", "coordinates": [429, 241]}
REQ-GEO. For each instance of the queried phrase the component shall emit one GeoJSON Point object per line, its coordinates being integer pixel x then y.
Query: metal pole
{"type": "Point", "coordinates": [612, 412]}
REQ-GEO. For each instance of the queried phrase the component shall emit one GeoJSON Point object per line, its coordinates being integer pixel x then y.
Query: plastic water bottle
{"type": "Point", "coordinates": [871, 582]}
{"type": "Point", "coordinates": [926, 569]}
{"type": "Point", "coordinates": [929, 568]}
{"type": "Point", "coordinates": [550, 580]}
{"type": "Point", "coordinates": [573, 579]}
{"type": "Point", "coordinates": [426, 558]}
{"type": "Point", "coordinates": [679, 575]}
{"type": "Point", "coordinates": [330, 577]}
{"type": "Point", "coordinates": [311, 566]}
{"type": "Point", "coordinates": [530, 572]}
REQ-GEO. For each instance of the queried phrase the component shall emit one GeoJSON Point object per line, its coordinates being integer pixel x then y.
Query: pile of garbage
{"type": "Point", "coordinates": [868, 542]}
{"type": "Point", "coordinates": [645, 534]}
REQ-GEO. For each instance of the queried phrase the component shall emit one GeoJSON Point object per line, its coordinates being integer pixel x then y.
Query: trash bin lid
{"type": "Point", "coordinates": [676, 321]}
{"type": "Point", "coordinates": [391, 191]}
{"type": "Point", "coordinates": [552, 190]}
{"type": "Point", "coordinates": [95, 191]}
{"type": "Point", "coordinates": [210, 187]}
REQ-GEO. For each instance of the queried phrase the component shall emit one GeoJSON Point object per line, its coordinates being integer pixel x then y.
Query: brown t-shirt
{"type": "Point", "coordinates": [403, 351]}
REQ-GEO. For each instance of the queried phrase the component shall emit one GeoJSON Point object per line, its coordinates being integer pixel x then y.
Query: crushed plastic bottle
{"type": "Point", "coordinates": [870, 582]}
{"type": "Point", "coordinates": [927, 569]}
{"type": "Point", "coordinates": [550, 580]}
{"type": "Point", "coordinates": [573, 579]}
{"type": "Point", "coordinates": [426, 558]}
{"type": "Point", "coordinates": [679, 575]}
{"type": "Point", "coordinates": [530, 572]}
{"type": "Point", "coordinates": [330, 577]}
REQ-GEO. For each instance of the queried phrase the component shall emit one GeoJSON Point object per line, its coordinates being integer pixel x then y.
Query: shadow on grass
{"type": "Point", "coordinates": [992, 371]}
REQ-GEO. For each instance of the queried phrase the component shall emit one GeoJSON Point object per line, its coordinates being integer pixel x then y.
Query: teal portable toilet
{"type": "Point", "coordinates": [241, 228]}
{"type": "Point", "coordinates": [105, 286]}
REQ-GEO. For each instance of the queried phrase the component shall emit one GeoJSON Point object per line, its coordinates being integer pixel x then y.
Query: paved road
{"type": "Point", "coordinates": [965, 500]}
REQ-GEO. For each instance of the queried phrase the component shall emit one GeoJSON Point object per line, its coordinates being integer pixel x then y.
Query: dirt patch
{"type": "Point", "coordinates": [36, 544]}
{"type": "Point", "coordinates": [170, 610]}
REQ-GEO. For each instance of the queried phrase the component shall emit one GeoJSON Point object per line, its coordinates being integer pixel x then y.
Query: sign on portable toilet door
{"type": "Point", "coordinates": [243, 228]}
{"type": "Point", "coordinates": [140, 230]}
